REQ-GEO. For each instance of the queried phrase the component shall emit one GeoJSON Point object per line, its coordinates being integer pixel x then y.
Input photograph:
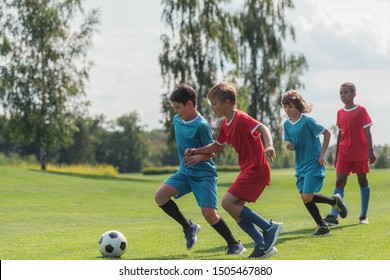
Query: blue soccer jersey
{"type": "Point", "coordinates": [304, 134]}
{"type": "Point", "coordinates": [194, 134]}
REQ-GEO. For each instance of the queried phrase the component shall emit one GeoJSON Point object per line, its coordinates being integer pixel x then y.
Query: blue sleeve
{"type": "Point", "coordinates": [316, 128]}
{"type": "Point", "coordinates": [286, 135]}
{"type": "Point", "coordinates": [205, 135]}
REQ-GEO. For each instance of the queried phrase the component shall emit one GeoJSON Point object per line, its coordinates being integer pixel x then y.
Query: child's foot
{"type": "Point", "coordinates": [271, 235]}
{"type": "Point", "coordinates": [331, 220]}
{"type": "Point", "coordinates": [260, 253]}
{"type": "Point", "coordinates": [322, 230]}
{"type": "Point", "coordinates": [340, 206]}
{"type": "Point", "coordinates": [190, 235]}
{"type": "Point", "coordinates": [235, 249]}
{"type": "Point", "coordinates": [363, 220]}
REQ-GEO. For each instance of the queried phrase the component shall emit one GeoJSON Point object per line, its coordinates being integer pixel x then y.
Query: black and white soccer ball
{"type": "Point", "coordinates": [112, 243]}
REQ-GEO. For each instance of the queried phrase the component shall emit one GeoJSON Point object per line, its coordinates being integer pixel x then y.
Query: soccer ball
{"type": "Point", "coordinates": [112, 243]}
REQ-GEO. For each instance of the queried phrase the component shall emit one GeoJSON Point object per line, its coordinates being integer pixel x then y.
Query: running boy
{"type": "Point", "coordinates": [243, 133]}
{"type": "Point", "coordinates": [354, 150]}
{"type": "Point", "coordinates": [192, 130]}
{"type": "Point", "coordinates": [302, 136]}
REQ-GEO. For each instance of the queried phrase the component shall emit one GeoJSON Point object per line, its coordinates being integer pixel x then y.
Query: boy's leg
{"type": "Point", "coordinates": [251, 216]}
{"type": "Point", "coordinates": [234, 246]}
{"type": "Point", "coordinates": [335, 201]}
{"type": "Point", "coordinates": [219, 224]}
{"type": "Point", "coordinates": [271, 230]}
{"type": "Point", "coordinates": [365, 192]}
{"type": "Point", "coordinates": [322, 227]}
{"type": "Point", "coordinates": [341, 181]}
{"type": "Point", "coordinates": [320, 198]}
{"type": "Point", "coordinates": [234, 207]}
{"type": "Point", "coordinates": [173, 211]}
{"type": "Point", "coordinates": [315, 213]}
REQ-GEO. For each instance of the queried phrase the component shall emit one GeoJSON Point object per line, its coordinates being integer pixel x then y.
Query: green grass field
{"type": "Point", "coordinates": [56, 216]}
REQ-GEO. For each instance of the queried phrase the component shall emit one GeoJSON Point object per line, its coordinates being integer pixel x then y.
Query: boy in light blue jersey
{"type": "Point", "coordinates": [302, 136]}
{"type": "Point", "coordinates": [197, 173]}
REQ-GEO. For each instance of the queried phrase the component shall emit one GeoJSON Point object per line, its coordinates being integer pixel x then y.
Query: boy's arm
{"type": "Point", "coordinates": [210, 149]}
{"type": "Point", "coordinates": [268, 142]}
{"type": "Point", "coordinates": [325, 146]}
{"type": "Point", "coordinates": [371, 154]}
{"type": "Point", "coordinates": [191, 160]}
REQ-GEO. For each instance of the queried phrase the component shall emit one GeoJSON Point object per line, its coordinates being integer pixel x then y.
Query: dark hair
{"type": "Point", "coordinates": [183, 93]}
{"type": "Point", "coordinates": [294, 97]}
{"type": "Point", "coordinates": [351, 86]}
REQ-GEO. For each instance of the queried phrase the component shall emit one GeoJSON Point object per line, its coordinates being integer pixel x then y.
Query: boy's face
{"type": "Point", "coordinates": [347, 95]}
{"type": "Point", "coordinates": [219, 107]}
{"type": "Point", "coordinates": [185, 112]}
{"type": "Point", "coordinates": [291, 111]}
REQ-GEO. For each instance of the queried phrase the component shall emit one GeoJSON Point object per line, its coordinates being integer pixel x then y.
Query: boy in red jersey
{"type": "Point", "coordinates": [354, 150]}
{"type": "Point", "coordinates": [243, 133]}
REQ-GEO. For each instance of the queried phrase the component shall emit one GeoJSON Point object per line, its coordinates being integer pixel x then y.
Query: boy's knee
{"type": "Point", "coordinates": [362, 180]}
{"type": "Point", "coordinates": [225, 205]}
{"type": "Point", "coordinates": [210, 215]}
{"type": "Point", "coordinates": [160, 197]}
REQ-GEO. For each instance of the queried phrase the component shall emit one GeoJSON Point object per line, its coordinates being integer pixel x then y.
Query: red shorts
{"type": "Point", "coordinates": [248, 186]}
{"type": "Point", "coordinates": [348, 167]}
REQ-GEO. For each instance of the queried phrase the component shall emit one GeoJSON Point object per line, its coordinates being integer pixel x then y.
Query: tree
{"type": "Point", "coordinates": [266, 67]}
{"type": "Point", "coordinates": [200, 45]}
{"type": "Point", "coordinates": [125, 146]}
{"type": "Point", "coordinates": [44, 70]}
{"type": "Point", "coordinates": [383, 157]}
{"type": "Point", "coordinates": [82, 150]}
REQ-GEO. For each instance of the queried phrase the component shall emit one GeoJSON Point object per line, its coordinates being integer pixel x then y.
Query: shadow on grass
{"type": "Point", "coordinates": [95, 177]}
{"type": "Point", "coordinates": [305, 233]}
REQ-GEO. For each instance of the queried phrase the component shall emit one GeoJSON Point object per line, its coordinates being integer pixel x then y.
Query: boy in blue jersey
{"type": "Point", "coordinates": [302, 136]}
{"type": "Point", "coordinates": [197, 173]}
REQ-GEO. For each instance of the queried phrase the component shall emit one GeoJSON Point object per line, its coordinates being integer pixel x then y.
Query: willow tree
{"type": "Point", "coordinates": [268, 69]}
{"type": "Point", "coordinates": [196, 50]}
{"type": "Point", "coordinates": [44, 69]}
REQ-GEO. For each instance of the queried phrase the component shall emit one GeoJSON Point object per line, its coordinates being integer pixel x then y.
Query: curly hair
{"type": "Point", "coordinates": [294, 97]}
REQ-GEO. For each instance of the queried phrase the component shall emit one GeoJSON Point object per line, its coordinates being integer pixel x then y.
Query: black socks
{"type": "Point", "coordinates": [173, 211]}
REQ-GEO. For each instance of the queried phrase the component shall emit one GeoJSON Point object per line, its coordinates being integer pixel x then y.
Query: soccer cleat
{"type": "Point", "coordinates": [331, 220]}
{"type": "Point", "coordinates": [235, 249]}
{"type": "Point", "coordinates": [271, 235]}
{"type": "Point", "coordinates": [190, 235]}
{"type": "Point", "coordinates": [340, 206]}
{"type": "Point", "coordinates": [363, 220]}
{"type": "Point", "coordinates": [260, 252]}
{"type": "Point", "coordinates": [322, 230]}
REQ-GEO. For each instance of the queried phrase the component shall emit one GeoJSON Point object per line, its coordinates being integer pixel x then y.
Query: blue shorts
{"type": "Point", "coordinates": [204, 188]}
{"type": "Point", "coordinates": [310, 184]}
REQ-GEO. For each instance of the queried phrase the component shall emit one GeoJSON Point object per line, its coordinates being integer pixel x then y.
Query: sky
{"type": "Point", "coordinates": [342, 41]}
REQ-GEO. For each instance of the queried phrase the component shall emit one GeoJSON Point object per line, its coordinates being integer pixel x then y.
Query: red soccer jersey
{"type": "Point", "coordinates": [242, 135]}
{"type": "Point", "coordinates": [353, 143]}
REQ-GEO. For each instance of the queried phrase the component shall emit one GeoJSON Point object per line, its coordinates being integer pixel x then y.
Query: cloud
{"type": "Point", "coordinates": [342, 40]}
{"type": "Point", "coordinates": [345, 41]}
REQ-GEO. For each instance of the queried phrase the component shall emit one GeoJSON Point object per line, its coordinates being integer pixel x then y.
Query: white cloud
{"type": "Point", "coordinates": [342, 40]}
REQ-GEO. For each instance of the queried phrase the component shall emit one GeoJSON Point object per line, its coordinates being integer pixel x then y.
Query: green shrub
{"type": "Point", "coordinates": [159, 170]}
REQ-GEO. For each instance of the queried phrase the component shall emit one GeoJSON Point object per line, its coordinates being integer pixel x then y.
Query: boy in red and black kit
{"type": "Point", "coordinates": [243, 133]}
{"type": "Point", "coordinates": [354, 150]}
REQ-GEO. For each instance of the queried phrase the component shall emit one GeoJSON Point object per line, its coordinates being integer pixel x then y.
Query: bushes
{"type": "Point", "coordinates": [16, 159]}
{"type": "Point", "coordinates": [173, 169]}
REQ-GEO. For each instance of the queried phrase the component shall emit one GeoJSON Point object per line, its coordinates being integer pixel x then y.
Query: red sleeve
{"type": "Point", "coordinates": [222, 138]}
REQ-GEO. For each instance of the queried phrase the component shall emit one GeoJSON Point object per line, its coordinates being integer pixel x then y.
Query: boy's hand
{"type": "Point", "coordinates": [371, 156]}
{"type": "Point", "coordinates": [189, 152]}
{"type": "Point", "coordinates": [270, 153]}
{"type": "Point", "coordinates": [321, 160]}
{"type": "Point", "coordinates": [192, 160]}
{"type": "Point", "coordinates": [290, 147]}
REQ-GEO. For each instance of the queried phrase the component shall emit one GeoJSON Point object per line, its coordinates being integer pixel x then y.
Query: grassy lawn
{"type": "Point", "coordinates": [54, 216]}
